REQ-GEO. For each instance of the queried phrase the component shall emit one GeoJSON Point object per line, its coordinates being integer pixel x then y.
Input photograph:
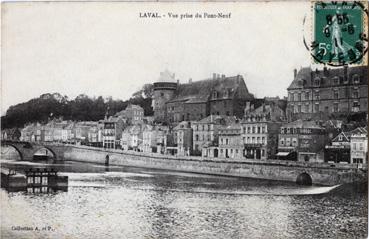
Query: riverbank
{"type": "Point", "coordinates": [320, 173]}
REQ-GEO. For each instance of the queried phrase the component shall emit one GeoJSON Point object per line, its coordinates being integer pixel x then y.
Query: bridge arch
{"type": "Point", "coordinates": [16, 149]}
{"type": "Point", "coordinates": [304, 179]}
{"type": "Point", "coordinates": [44, 147]}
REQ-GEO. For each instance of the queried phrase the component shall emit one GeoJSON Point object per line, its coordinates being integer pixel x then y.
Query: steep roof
{"type": "Point", "coordinates": [200, 91]}
{"type": "Point", "coordinates": [344, 135]}
{"type": "Point", "coordinates": [347, 135]}
{"type": "Point", "coordinates": [305, 76]}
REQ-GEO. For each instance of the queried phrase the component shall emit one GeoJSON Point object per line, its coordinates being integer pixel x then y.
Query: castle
{"type": "Point", "coordinates": [220, 95]}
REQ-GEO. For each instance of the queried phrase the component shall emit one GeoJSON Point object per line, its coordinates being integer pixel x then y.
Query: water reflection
{"type": "Point", "coordinates": [124, 202]}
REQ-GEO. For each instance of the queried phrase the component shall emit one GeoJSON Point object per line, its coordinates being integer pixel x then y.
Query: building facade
{"type": "Point", "coordinates": [230, 141]}
{"type": "Point", "coordinates": [219, 95]}
{"type": "Point", "coordinates": [260, 129]}
{"type": "Point", "coordinates": [154, 138]}
{"type": "Point", "coordinates": [133, 114]}
{"type": "Point", "coordinates": [328, 93]}
{"type": "Point", "coordinates": [339, 149]}
{"type": "Point", "coordinates": [302, 141]}
{"type": "Point", "coordinates": [183, 137]}
{"type": "Point", "coordinates": [132, 137]}
{"type": "Point", "coordinates": [205, 134]}
{"type": "Point", "coordinates": [359, 147]}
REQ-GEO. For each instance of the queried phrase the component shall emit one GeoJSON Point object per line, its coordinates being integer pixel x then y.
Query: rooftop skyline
{"type": "Point", "coordinates": [107, 49]}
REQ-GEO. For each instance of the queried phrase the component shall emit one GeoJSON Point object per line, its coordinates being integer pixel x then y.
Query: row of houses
{"type": "Point", "coordinates": [263, 133]}
{"type": "Point", "coordinates": [87, 132]}
{"type": "Point", "coordinates": [219, 117]}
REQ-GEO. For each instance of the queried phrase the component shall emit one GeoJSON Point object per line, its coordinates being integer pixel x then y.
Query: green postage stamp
{"type": "Point", "coordinates": [339, 31]}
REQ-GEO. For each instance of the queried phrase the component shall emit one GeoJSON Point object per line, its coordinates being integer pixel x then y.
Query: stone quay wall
{"type": "Point", "coordinates": [321, 174]}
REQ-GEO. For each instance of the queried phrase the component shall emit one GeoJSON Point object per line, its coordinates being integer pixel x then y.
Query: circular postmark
{"type": "Point", "coordinates": [339, 33]}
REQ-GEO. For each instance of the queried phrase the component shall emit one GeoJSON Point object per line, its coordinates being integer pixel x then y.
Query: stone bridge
{"type": "Point", "coordinates": [27, 150]}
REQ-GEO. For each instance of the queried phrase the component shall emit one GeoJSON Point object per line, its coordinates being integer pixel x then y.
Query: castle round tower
{"type": "Point", "coordinates": [164, 90]}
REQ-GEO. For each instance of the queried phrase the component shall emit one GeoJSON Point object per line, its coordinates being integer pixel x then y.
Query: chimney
{"type": "Point", "coordinates": [325, 70]}
{"type": "Point", "coordinates": [190, 81]}
{"type": "Point", "coordinates": [239, 77]}
{"type": "Point", "coordinates": [223, 76]}
{"type": "Point", "coordinates": [294, 73]}
{"type": "Point", "coordinates": [177, 82]}
{"type": "Point", "coordinates": [247, 108]}
{"type": "Point", "coordinates": [214, 76]}
{"type": "Point", "coordinates": [218, 76]}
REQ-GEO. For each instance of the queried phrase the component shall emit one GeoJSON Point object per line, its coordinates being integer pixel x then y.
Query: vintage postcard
{"type": "Point", "coordinates": [184, 119]}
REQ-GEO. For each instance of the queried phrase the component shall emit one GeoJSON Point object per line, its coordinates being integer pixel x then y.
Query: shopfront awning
{"type": "Point", "coordinates": [283, 153]}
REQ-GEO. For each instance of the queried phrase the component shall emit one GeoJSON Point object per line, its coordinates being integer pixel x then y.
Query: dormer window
{"type": "Point", "coordinates": [225, 93]}
{"type": "Point", "coordinates": [336, 80]}
{"type": "Point", "coordinates": [356, 79]}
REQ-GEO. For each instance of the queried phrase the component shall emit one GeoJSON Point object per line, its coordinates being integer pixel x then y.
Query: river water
{"type": "Point", "coordinates": [127, 202]}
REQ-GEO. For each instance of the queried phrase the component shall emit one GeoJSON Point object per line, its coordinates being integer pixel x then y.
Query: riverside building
{"type": "Point", "coordinates": [319, 94]}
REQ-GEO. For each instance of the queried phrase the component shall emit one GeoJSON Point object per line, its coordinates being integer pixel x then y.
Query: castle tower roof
{"type": "Point", "coordinates": [166, 76]}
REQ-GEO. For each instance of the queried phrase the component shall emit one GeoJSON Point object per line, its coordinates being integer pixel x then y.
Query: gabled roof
{"type": "Point", "coordinates": [344, 135]}
{"type": "Point", "coordinates": [359, 130]}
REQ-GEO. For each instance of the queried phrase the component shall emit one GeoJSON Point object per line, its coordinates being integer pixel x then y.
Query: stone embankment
{"type": "Point", "coordinates": [317, 173]}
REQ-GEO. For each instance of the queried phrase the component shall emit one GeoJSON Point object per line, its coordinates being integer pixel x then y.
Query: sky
{"type": "Point", "coordinates": [105, 48]}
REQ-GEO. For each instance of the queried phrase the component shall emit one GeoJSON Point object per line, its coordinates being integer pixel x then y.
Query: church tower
{"type": "Point", "coordinates": [164, 90]}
